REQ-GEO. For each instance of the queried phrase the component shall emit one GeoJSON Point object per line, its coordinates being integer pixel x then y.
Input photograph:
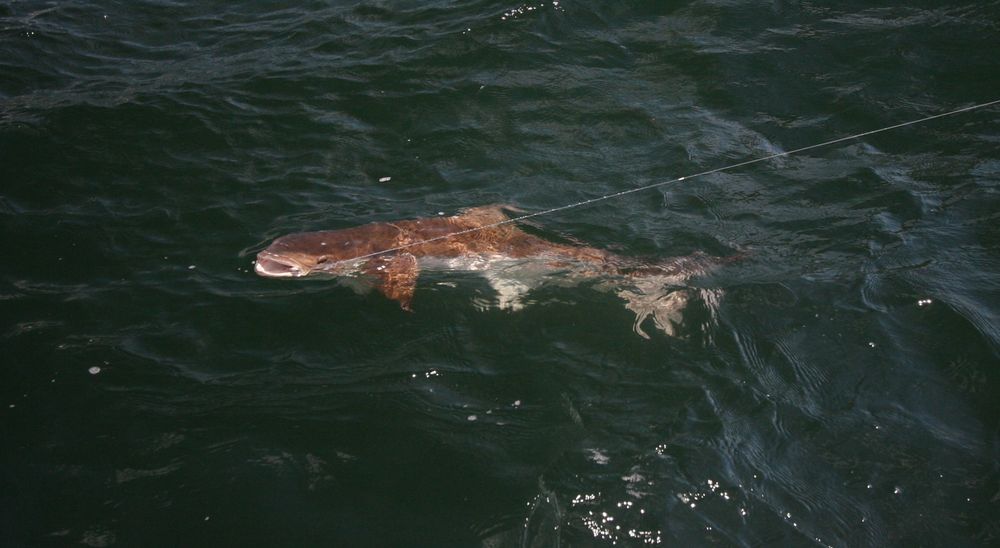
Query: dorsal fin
{"type": "Point", "coordinates": [488, 214]}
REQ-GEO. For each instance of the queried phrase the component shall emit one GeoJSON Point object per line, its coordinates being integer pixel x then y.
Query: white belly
{"type": "Point", "coordinates": [512, 278]}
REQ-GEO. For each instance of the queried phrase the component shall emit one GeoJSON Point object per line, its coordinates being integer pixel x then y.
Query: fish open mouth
{"type": "Point", "coordinates": [276, 267]}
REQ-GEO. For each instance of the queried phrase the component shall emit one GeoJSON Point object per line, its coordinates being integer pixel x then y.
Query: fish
{"type": "Point", "coordinates": [389, 256]}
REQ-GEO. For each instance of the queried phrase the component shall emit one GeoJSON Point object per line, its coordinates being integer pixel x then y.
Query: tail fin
{"type": "Point", "coordinates": [661, 292]}
{"type": "Point", "coordinates": [665, 305]}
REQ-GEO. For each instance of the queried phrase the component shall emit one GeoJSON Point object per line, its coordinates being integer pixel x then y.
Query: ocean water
{"type": "Point", "coordinates": [155, 392]}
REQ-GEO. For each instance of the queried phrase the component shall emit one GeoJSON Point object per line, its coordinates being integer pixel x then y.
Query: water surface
{"type": "Point", "coordinates": [156, 392]}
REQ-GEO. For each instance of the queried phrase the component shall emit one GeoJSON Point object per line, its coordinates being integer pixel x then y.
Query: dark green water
{"type": "Point", "coordinates": [845, 394]}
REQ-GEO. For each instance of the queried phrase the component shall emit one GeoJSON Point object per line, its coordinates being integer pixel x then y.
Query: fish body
{"type": "Point", "coordinates": [513, 262]}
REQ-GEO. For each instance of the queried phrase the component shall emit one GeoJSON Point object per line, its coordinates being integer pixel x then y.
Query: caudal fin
{"type": "Point", "coordinates": [666, 307]}
{"type": "Point", "coordinates": [660, 292]}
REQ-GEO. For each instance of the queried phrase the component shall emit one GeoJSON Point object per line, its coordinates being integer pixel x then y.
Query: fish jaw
{"type": "Point", "coordinates": [270, 265]}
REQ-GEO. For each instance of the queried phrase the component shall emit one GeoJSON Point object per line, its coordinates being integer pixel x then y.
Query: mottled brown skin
{"type": "Point", "coordinates": [349, 243]}
{"type": "Point", "coordinates": [396, 272]}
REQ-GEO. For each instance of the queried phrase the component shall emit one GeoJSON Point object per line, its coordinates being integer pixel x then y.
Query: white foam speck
{"type": "Point", "coordinates": [472, 417]}
{"type": "Point", "coordinates": [191, 267]}
{"type": "Point", "coordinates": [94, 370]}
{"type": "Point", "coordinates": [384, 179]}
{"type": "Point", "coordinates": [598, 457]}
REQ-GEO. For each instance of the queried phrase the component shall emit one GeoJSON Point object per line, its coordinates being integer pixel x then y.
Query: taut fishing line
{"type": "Point", "coordinates": [662, 183]}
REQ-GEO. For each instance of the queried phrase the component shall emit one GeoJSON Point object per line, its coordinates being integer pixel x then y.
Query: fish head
{"type": "Point", "coordinates": [298, 255]}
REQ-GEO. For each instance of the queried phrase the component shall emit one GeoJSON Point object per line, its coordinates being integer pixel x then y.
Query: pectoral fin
{"type": "Point", "coordinates": [395, 276]}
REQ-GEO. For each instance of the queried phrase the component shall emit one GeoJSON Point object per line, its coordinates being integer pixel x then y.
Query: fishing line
{"type": "Point", "coordinates": [662, 183]}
